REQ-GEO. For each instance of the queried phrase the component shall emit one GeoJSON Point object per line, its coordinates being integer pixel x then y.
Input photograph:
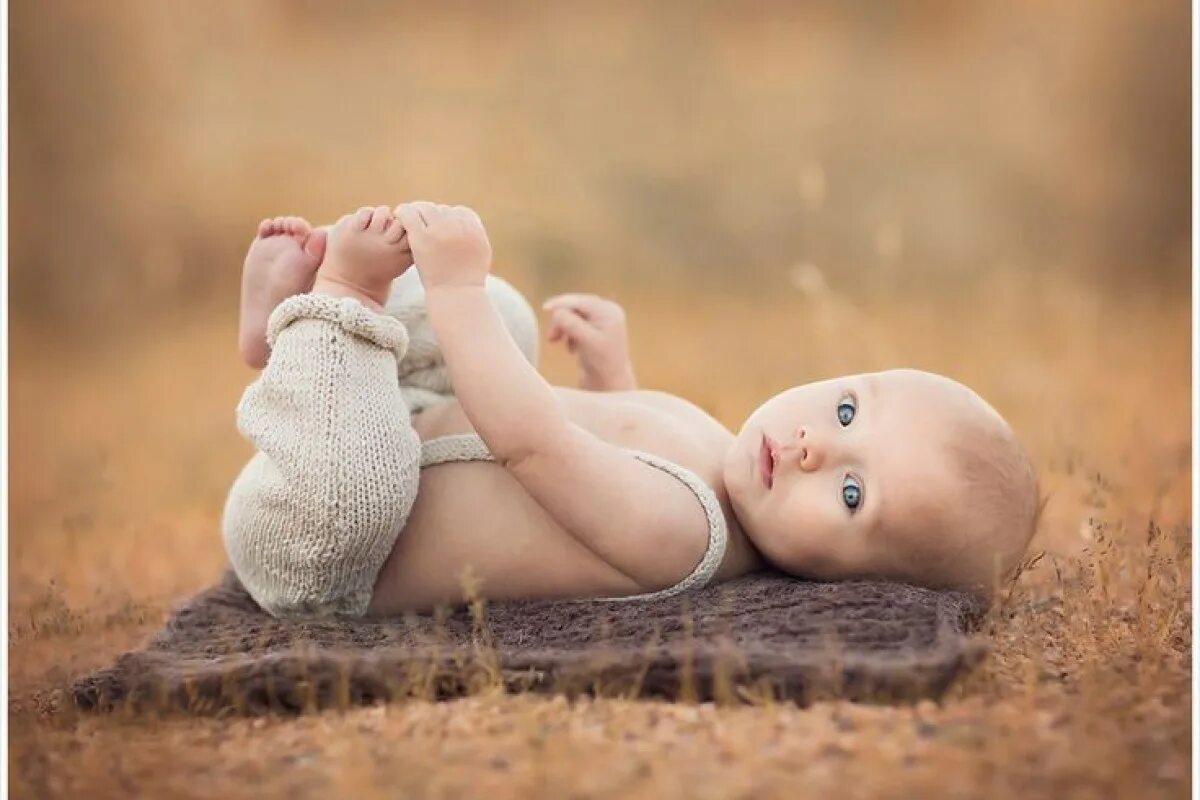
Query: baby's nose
{"type": "Point", "coordinates": [812, 454]}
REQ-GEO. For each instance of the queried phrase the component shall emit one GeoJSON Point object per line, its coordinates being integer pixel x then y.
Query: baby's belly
{"type": "Point", "coordinates": [474, 530]}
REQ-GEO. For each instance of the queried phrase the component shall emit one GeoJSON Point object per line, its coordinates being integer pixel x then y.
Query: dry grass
{"type": "Point", "coordinates": [121, 456]}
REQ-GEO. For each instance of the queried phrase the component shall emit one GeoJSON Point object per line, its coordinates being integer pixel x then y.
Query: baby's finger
{"type": "Point", "coordinates": [586, 305]}
{"type": "Point", "coordinates": [576, 328]}
{"type": "Point", "coordinates": [412, 220]}
{"type": "Point", "coordinates": [557, 330]}
{"type": "Point", "coordinates": [394, 232]}
{"type": "Point", "coordinates": [469, 214]}
{"type": "Point", "coordinates": [560, 312]}
{"type": "Point", "coordinates": [430, 212]}
{"type": "Point", "coordinates": [423, 210]}
{"type": "Point", "coordinates": [569, 298]}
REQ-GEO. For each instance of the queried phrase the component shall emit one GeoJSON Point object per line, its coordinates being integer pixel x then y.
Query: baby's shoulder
{"type": "Point", "coordinates": [679, 407]}
{"type": "Point", "coordinates": [696, 435]}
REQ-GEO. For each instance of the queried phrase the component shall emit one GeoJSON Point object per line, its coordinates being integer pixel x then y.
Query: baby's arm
{"type": "Point", "coordinates": [636, 518]}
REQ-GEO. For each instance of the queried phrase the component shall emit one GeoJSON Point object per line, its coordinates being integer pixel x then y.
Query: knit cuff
{"type": "Point", "coordinates": [351, 315]}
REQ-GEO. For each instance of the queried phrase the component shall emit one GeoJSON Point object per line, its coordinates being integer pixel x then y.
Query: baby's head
{"type": "Point", "coordinates": [901, 474]}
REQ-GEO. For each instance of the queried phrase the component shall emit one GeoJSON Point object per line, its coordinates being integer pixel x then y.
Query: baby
{"type": "Point", "coordinates": [406, 441]}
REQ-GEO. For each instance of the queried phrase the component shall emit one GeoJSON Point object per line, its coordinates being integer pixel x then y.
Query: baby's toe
{"type": "Point", "coordinates": [315, 244]}
{"type": "Point", "coordinates": [380, 216]}
{"type": "Point", "coordinates": [298, 226]}
{"type": "Point", "coordinates": [362, 217]}
{"type": "Point", "coordinates": [264, 227]}
{"type": "Point", "coordinates": [276, 226]}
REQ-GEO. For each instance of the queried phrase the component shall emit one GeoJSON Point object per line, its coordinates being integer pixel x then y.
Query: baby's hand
{"type": "Point", "coordinates": [449, 244]}
{"type": "Point", "coordinates": [594, 329]}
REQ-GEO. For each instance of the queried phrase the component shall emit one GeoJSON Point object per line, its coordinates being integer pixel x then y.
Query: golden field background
{"type": "Point", "coordinates": [777, 192]}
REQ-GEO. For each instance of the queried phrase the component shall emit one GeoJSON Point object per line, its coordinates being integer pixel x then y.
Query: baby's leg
{"type": "Point", "coordinates": [424, 379]}
{"type": "Point", "coordinates": [282, 261]}
{"type": "Point", "coordinates": [314, 514]}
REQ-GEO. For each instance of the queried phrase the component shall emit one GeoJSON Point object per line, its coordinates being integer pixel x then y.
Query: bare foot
{"type": "Point", "coordinates": [282, 261]}
{"type": "Point", "coordinates": [367, 251]}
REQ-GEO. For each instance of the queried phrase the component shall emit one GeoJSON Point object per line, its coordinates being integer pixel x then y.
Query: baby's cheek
{"type": "Point", "coordinates": [799, 536]}
{"type": "Point", "coordinates": [838, 546]}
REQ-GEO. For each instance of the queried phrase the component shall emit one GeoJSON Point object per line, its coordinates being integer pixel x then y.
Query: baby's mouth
{"type": "Point", "coordinates": [766, 462]}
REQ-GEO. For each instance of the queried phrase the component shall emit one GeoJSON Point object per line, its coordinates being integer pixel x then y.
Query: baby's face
{"type": "Point", "coordinates": [850, 477]}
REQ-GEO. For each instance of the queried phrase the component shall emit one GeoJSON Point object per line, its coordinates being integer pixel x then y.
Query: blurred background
{"type": "Point", "coordinates": [778, 192]}
{"type": "Point", "coordinates": [687, 143]}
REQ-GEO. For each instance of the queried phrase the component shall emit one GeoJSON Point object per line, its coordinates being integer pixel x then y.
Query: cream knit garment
{"type": "Point", "coordinates": [312, 517]}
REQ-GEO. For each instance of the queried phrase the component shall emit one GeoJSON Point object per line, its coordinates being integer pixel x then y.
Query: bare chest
{"type": "Point", "coordinates": [641, 420]}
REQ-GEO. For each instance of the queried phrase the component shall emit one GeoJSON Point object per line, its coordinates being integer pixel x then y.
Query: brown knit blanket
{"type": "Point", "coordinates": [764, 634]}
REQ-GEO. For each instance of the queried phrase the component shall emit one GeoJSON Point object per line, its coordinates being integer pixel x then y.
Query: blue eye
{"type": "Point", "coordinates": [846, 410]}
{"type": "Point", "coordinates": [851, 493]}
